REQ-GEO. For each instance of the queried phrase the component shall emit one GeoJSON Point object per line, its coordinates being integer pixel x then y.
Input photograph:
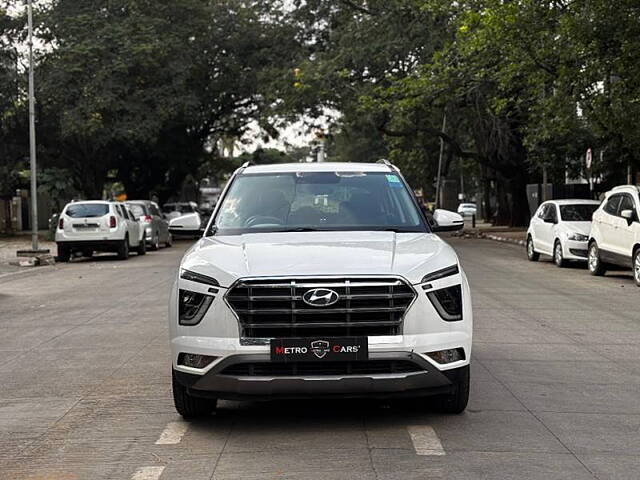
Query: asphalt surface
{"type": "Point", "coordinates": [85, 386]}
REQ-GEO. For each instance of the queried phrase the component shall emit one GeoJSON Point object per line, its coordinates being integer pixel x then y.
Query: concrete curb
{"type": "Point", "coordinates": [513, 241]}
{"type": "Point", "coordinates": [494, 237]}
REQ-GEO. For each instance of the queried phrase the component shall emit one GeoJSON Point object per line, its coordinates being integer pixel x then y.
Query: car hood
{"type": "Point", "coordinates": [410, 255]}
{"type": "Point", "coordinates": [577, 227]}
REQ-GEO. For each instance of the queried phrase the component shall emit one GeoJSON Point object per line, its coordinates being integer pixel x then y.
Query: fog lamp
{"type": "Point", "coordinates": [194, 360]}
{"type": "Point", "coordinates": [447, 356]}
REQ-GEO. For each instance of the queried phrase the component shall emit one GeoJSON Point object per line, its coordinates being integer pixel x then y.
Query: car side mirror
{"type": "Point", "coordinates": [446, 221]}
{"type": "Point", "coordinates": [628, 215]}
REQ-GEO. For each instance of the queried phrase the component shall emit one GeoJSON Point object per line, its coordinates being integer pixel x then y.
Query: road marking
{"type": "Point", "coordinates": [173, 433]}
{"type": "Point", "coordinates": [148, 473]}
{"type": "Point", "coordinates": [425, 440]}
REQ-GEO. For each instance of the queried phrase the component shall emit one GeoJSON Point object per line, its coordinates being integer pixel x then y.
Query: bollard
{"type": "Point", "coordinates": [473, 221]}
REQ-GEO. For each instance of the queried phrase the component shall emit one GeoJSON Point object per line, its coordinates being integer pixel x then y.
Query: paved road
{"type": "Point", "coordinates": [84, 387]}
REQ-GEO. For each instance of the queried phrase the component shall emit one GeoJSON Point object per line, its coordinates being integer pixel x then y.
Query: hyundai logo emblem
{"type": "Point", "coordinates": [320, 297]}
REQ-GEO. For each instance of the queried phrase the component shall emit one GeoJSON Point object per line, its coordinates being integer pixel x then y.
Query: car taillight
{"type": "Point", "coordinates": [112, 222]}
{"type": "Point", "coordinates": [61, 224]}
{"type": "Point", "coordinates": [146, 218]}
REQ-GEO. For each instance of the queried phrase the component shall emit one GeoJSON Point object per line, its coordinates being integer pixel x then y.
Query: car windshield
{"type": "Point", "coordinates": [87, 210]}
{"type": "Point", "coordinates": [309, 201]}
{"type": "Point", "coordinates": [581, 212]}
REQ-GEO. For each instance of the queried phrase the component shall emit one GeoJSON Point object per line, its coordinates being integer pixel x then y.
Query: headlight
{"type": "Point", "coordinates": [440, 274]}
{"type": "Point", "coordinates": [198, 277]}
{"type": "Point", "coordinates": [192, 306]}
{"type": "Point", "coordinates": [577, 237]}
{"type": "Point", "coordinates": [448, 302]}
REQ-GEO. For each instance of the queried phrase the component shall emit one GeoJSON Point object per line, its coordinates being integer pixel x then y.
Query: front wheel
{"type": "Point", "coordinates": [636, 266]}
{"type": "Point", "coordinates": [596, 267]}
{"type": "Point", "coordinates": [532, 255]}
{"type": "Point", "coordinates": [457, 401]}
{"type": "Point", "coordinates": [558, 255]}
{"type": "Point", "coordinates": [189, 406]}
{"type": "Point", "coordinates": [123, 249]}
{"type": "Point", "coordinates": [155, 242]}
{"type": "Point", "coordinates": [142, 247]}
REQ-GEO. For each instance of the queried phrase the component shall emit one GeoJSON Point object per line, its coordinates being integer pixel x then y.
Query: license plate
{"type": "Point", "coordinates": [331, 349]}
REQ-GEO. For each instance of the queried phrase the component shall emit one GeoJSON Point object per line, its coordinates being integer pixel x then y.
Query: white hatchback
{"type": "Point", "coordinates": [560, 228]}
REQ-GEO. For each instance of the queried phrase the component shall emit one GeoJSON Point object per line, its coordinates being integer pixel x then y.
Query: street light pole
{"type": "Point", "coordinates": [444, 125]}
{"type": "Point", "coordinates": [32, 135]}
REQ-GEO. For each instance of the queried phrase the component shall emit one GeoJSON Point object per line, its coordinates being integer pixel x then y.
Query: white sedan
{"type": "Point", "coordinates": [467, 209]}
{"type": "Point", "coordinates": [560, 229]}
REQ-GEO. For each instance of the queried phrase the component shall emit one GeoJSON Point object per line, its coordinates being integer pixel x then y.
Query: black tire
{"type": "Point", "coordinates": [189, 406]}
{"type": "Point", "coordinates": [64, 253]}
{"type": "Point", "coordinates": [596, 266]}
{"type": "Point", "coordinates": [532, 255]}
{"type": "Point", "coordinates": [87, 253]}
{"type": "Point", "coordinates": [123, 249]}
{"type": "Point", "coordinates": [636, 266]}
{"type": "Point", "coordinates": [142, 247]}
{"type": "Point", "coordinates": [558, 255]}
{"type": "Point", "coordinates": [169, 241]}
{"type": "Point", "coordinates": [456, 402]}
{"type": "Point", "coordinates": [155, 242]}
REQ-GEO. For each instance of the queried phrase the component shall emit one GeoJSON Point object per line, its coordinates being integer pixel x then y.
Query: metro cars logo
{"type": "Point", "coordinates": [350, 348]}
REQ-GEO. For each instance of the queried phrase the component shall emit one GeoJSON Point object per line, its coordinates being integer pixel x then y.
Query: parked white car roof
{"type": "Point", "coordinates": [319, 167]}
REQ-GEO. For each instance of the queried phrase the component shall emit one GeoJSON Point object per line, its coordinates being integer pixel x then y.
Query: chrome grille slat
{"type": "Point", "coordinates": [274, 307]}
{"type": "Point", "coordinates": [318, 311]}
{"type": "Point", "coordinates": [275, 298]}
{"type": "Point", "coordinates": [323, 324]}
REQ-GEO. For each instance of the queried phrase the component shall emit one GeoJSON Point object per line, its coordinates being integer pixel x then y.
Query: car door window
{"type": "Point", "coordinates": [611, 207]}
{"type": "Point", "coordinates": [543, 212]}
{"type": "Point", "coordinates": [552, 213]}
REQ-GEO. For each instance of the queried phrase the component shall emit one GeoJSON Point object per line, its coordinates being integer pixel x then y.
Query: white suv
{"type": "Point", "coordinates": [320, 279]}
{"type": "Point", "coordinates": [102, 226]}
{"type": "Point", "coordinates": [615, 234]}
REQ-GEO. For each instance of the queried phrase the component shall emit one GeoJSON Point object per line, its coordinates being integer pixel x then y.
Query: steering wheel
{"type": "Point", "coordinates": [259, 219]}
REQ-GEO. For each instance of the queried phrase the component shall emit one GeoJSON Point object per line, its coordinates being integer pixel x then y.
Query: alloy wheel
{"type": "Point", "coordinates": [558, 256]}
{"type": "Point", "coordinates": [636, 268]}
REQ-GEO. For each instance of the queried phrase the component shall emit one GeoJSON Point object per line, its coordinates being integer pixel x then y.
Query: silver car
{"type": "Point", "coordinates": [155, 225]}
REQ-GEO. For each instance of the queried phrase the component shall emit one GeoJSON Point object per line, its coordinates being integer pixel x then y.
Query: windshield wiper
{"type": "Point", "coordinates": [397, 230]}
{"type": "Point", "coordinates": [302, 229]}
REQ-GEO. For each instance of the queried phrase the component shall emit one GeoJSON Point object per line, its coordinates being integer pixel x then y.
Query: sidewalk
{"type": "Point", "coordinates": [9, 245]}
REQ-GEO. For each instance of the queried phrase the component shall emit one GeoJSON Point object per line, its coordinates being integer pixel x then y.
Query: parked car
{"type": "Point", "coordinates": [185, 219]}
{"type": "Point", "coordinates": [560, 229]}
{"type": "Point", "coordinates": [154, 225]}
{"type": "Point", "coordinates": [320, 279]}
{"type": "Point", "coordinates": [103, 226]}
{"type": "Point", "coordinates": [177, 209]}
{"type": "Point", "coordinates": [615, 235]}
{"type": "Point", "coordinates": [467, 209]}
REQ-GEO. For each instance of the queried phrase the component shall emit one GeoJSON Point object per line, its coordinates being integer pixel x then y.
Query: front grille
{"type": "Point", "coordinates": [273, 308]}
{"type": "Point", "coordinates": [369, 367]}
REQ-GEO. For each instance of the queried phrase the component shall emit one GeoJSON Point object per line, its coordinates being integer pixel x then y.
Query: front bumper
{"type": "Point", "coordinates": [215, 384]}
{"type": "Point", "coordinates": [574, 250]}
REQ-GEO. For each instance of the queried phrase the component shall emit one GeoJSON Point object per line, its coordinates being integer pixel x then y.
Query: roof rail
{"type": "Point", "coordinates": [622, 187]}
{"type": "Point", "coordinates": [386, 162]}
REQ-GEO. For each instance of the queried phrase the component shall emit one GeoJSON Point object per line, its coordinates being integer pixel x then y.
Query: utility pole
{"type": "Point", "coordinates": [444, 126]}
{"type": "Point", "coordinates": [32, 135]}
